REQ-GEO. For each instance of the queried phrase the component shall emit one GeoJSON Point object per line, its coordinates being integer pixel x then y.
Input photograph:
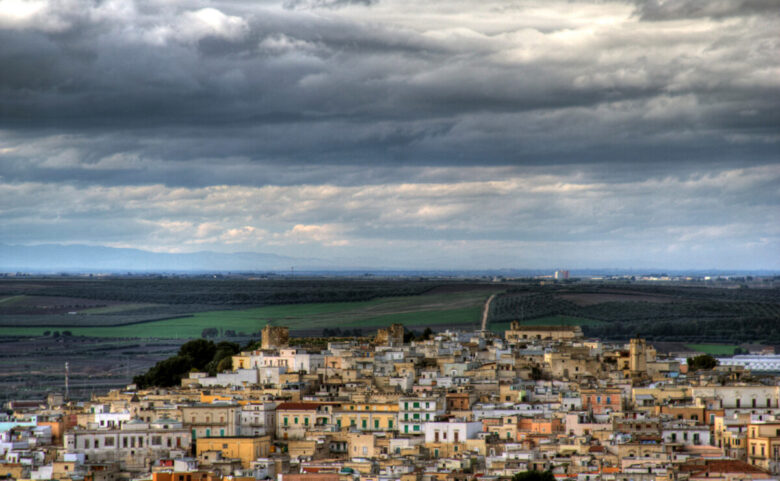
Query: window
{"type": "Point", "coordinates": [364, 424]}
{"type": "Point", "coordinates": [109, 442]}
{"type": "Point", "coordinates": [390, 423]}
{"type": "Point", "coordinates": [86, 444]}
{"type": "Point", "coordinates": [156, 440]}
{"type": "Point", "coordinates": [285, 421]}
{"type": "Point", "coordinates": [295, 420]}
{"type": "Point", "coordinates": [416, 405]}
{"type": "Point", "coordinates": [222, 432]}
{"type": "Point", "coordinates": [376, 423]}
{"type": "Point", "coordinates": [140, 442]}
{"type": "Point", "coordinates": [416, 427]}
{"type": "Point", "coordinates": [305, 421]}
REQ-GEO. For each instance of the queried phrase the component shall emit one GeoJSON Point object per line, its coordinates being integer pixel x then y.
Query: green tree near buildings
{"type": "Point", "coordinates": [534, 476]}
{"type": "Point", "coordinates": [702, 362]}
{"type": "Point", "coordinates": [198, 355]}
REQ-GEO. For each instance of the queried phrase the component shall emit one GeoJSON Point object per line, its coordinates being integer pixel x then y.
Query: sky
{"type": "Point", "coordinates": [406, 134]}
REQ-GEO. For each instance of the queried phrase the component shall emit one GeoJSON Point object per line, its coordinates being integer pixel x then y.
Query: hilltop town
{"type": "Point", "coordinates": [452, 406]}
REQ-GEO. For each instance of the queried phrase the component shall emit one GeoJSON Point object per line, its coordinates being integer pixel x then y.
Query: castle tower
{"type": "Point", "coordinates": [274, 337]}
{"type": "Point", "coordinates": [638, 357]}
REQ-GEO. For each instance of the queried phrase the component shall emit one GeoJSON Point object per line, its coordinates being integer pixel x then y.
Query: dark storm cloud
{"type": "Point", "coordinates": [655, 10]}
{"type": "Point", "coordinates": [339, 124]}
{"type": "Point", "coordinates": [321, 74]}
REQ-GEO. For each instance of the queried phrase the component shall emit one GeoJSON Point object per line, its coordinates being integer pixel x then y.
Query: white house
{"type": "Point", "coordinates": [451, 431]}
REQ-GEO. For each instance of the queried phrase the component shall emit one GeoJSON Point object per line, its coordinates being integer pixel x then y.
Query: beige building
{"type": "Point", "coordinates": [212, 420]}
{"type": "Point", "coordinates": [519, 333]}
{"type": "Point", "coordinates": [246, 449]}
{"type": "Point", "coordinates": [136, 446]}
{"type": "Point", "coordinates": [763, 449]}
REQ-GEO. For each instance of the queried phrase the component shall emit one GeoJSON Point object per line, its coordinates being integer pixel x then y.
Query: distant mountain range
{"type": "Point", "coordinates": [57, 258]}
{"type": "Point", "coordinates": [83, 258]}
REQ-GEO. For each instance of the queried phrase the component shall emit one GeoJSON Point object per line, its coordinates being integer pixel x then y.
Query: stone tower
{"type": "Point", "coordinates": [638, 357]}
{"type": "Point", "coordinates": [274, 337]}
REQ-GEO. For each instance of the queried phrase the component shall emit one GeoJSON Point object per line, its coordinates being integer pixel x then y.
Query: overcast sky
{"type": "Point", "coordinates": [400, 133]}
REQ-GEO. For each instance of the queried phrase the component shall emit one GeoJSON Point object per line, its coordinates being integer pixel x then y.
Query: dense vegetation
{"type": "Point", "coordinates": [661, 313]}
{"type": "Point", "coordinates": [226, 292]}
{"type": "Point", "coordinates": [607, 310]}
{"type": "Point", "coordinates": [701, 362]}
{"type": "Point", "coordinates": [196, 355]}
{"type": "Point", "coordinates": [534, 476]}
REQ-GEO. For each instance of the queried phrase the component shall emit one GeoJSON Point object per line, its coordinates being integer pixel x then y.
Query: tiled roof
{"type": "Point", "coordinates": [722, 466]}
{"type": "Point", "coordinates": [297, 406]}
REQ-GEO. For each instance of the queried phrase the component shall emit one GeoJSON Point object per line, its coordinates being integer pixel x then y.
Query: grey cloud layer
{"type": "Point", "coordinates": [442, 82]}
{"type": "Point", "coordinates": [183, 115]}
{"type": "Point", "coordinates": [702, 221]}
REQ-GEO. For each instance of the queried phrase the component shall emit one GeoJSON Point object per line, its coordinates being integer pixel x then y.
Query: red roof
{"type": "Point", "coordinates": [293, 406]}
{"type": "Point", "coordinates": [722, 466]}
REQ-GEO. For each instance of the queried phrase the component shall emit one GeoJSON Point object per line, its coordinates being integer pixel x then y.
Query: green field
{"type": "Point", "coordinates": [433, 309]}
{"type": "Point", "coordinates": [11, 299]}
{"type": "Point", "coordinates": [714, 349]}
{"type": "Point", "coordinates": [117, 309]}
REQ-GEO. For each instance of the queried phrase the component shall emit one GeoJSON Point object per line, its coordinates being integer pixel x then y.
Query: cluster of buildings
{"type": "Point", "coordinates": [457, 406]}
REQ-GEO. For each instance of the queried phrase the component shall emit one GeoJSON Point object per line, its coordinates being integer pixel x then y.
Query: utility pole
{"type": "Point", "coordinates": [67, 372]}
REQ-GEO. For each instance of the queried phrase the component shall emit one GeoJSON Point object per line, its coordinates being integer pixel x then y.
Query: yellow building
{"type": "Point", "coordinates": [246, 449]}
{"type": "Point", "coordinates": [764, 444]}
{"type": "Point", "coordinates": [368, 416]}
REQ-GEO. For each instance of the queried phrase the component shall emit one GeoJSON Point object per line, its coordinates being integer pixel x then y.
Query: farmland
{"type": "Point", "coordinates": [443, 308]}
{"type": "Point", "coordinates": [695, 315]}
{"type": "Point", "coordinates": [112, 329]}
{"type": "Point", "coordinates": [714, 349]}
